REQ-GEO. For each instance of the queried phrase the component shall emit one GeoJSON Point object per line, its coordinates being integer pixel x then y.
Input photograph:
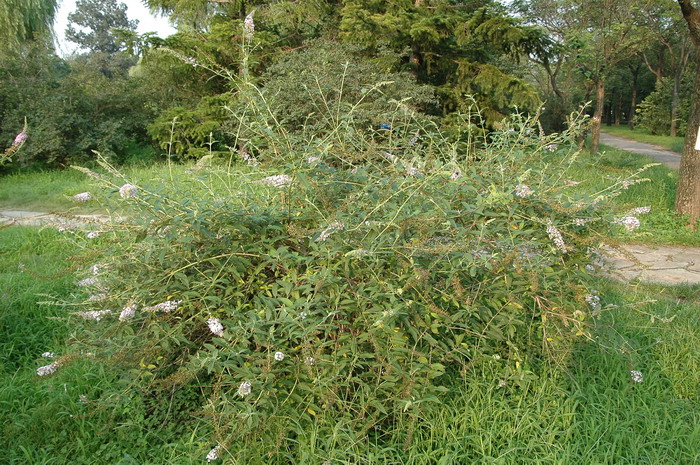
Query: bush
{"type": "Point", "coordinates": [305, 88]}
{"type": "Point", "coordinates": [72, 108]}
{"type": "Point", "coordinates": [344, 284]}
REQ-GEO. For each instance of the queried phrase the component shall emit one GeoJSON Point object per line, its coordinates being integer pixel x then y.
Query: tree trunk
{"type": "Point", "coordinates": [597, 114]}
{"type": "Point", "coordinates": [633, 103]}
{"type": "Point", "coordinates": [674, 102]}
{"type": "Point", "coordinates": [688, 193]}
{"type": "Point", "coordinates": [618, 109]}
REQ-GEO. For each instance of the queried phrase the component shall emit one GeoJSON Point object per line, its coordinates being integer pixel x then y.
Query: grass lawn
{"type": "Point", "coordinates": [642, 135]}
{"type": "Point", "coordinates": [589, 411]}
{"type": "Point", "coordinates": [51, 190]}
{"type": "Point", "coordinates": [662, 225]}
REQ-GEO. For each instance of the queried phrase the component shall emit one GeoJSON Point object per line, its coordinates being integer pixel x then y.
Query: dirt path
{"type": "Point", "coordinates": [660, 154]}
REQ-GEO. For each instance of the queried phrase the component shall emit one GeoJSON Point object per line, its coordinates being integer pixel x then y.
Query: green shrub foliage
{"type": "Point", "coordinates": [303, 86]}
{"type": "Point", "coordinates": [654, 112]}
{"type": "Point", "coordinates": [343, 283]}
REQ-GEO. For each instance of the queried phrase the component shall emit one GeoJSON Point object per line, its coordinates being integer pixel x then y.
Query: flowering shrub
{"type": "Point", "coordinates": [349, 291]}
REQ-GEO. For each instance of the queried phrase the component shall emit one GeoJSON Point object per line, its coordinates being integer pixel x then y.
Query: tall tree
{"type": "Point", "coordinates": [460, 48]}
{"type": "Point", "coordinates": [688, 194]}
{"type": "Point", "coordinates": [600, 34]}
{"type": "Point", "coordinates": [25, 20]}
{"type": "Point", "coordinates": [96, 22]}
{"type": "Point", "coordinates": [671, 46]}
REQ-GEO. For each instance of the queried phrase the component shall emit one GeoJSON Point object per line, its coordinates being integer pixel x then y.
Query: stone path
{"type": "Point", "coordinates": [660, 154]}
{"type": "Point", "coordinates": [30, 218]}
{"type": "Point", "coordinates": [660, 264]}
{"type": "Point", "coordinates": [657, 264]}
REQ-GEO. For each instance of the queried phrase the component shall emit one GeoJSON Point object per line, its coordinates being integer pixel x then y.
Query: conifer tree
{"type": "Point", "coordinates": [455, 47]}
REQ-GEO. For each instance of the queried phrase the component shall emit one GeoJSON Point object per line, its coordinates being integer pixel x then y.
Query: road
{"type": "Point", "coordinates": [668, 158]}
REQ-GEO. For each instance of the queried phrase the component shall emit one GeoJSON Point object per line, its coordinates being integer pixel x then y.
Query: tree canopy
{"type": "Point", "coordinates": [94, 24]}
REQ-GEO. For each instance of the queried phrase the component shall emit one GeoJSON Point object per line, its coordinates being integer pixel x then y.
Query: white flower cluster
{"type": "Point", "coordinates": [279, 356]}
{"type": "Point", "coordinates": [97, 297]}
{"type": "Point", "coordinates": [248, 158]}
{"type": "Point", "coordinates": [413, 171]}
{"type": "Point", "coordinates": [215, 327]}
{"type": "Point", "coordinates": [552, 147]}
{"type": "Point", "coordinates": [456, 174]}
{"type": "Point", "coordinates": [358, 253]}
{"type": "Point", "coordinates": [629, 222]}
{"type": "Point", "coordinates": [94, 269]}
{"type": "Point", "coordinates": [96, 315]}
{"type": "Point", "coordinates": [88, 282]}
{"type": "Point", "coordinates": [245, 389]}
{"type": "Point", "coordinates": [313, 160]}
{"type": "Point", "coordinates": [92, 234]}
{"type": "Point", "coordinates": [637, 376]}
{"type": "Point", "coordinates": [310, 361]}
{"type": "Point", "coordinates": [48, 355]}
{"type": "Point", "coordinates": [639, 210]}
{"type": "Point", "coordinates": [127, 312]}
{"type": "Point", "coordinates": [165, 307]}
{"type": "Point", "coordinates": [213, 454]}
{"type": "Point", "coordinates": [47, 370]}
{"type": "Point", "coordinates": [523, 190]}
{"type": "Point", "coordinates": [326, 233]}
{"type": "Point", "coordinates": [594, 301]}
{"type": "Point", "coordinates": [556, 236]}
{"type": "Point", "coordinates": [249, 25]}
{"type": "Point", "coordinates": [278, 180]}
{"type": "Point", "coordinates": [82, 197]}
{"type": "Point", "coordinates": [128, 190]}
{"type": "Point", "coordinates": [392, 158]}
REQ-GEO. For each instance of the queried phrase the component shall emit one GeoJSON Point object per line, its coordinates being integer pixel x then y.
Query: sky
{"type": "Point", "coordinates": [135, 10]}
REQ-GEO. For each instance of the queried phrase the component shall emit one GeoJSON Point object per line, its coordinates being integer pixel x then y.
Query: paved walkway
{"type": "Point", "coordinates": [660, 154]}
{"type": "Point", "coordinates": [30, 218]}
{"type": "Point", "coordinates": [660, 264]}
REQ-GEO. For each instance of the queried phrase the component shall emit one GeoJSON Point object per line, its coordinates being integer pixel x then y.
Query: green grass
{"type": "Point", "coordinates": [589, 411]}
{"type": "Point", "coordinates": [42, 420]}
{"type": "Point", "coordinates": [674, 144]}
{"type": "Point", "coordinates": [663, 225]}
{"type": "Point", "coordinates": [52, 190]}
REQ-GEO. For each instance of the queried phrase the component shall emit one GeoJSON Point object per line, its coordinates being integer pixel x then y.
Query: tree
{"type": "Point", "coordinates": [688, 194]}
{"type": "Point", "coordinates": [466, 49]}
{"type": "Point", "coordinates": [25, 20]}
{"type": "Point", "coordinates": [96, 21]}
{"type": "Point", "coordinates": [600, 34]}
{"type": "Point", "coordinates": [672, 48]}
